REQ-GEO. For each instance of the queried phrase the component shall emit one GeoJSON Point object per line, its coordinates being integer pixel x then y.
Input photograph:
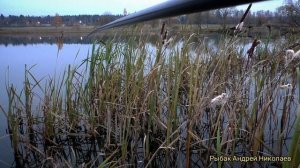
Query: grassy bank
{"type": "Point", "coordinates": [125, 106]}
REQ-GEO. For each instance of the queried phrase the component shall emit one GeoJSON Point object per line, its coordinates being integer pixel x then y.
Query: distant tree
{"type": "Point", "coordinates": [125, 12]}
{"type": "Point", "coordinates": [260, 18]}
{"type": "Point", "coordinates": [107, 17]}
{"type": "Point", "coordinates": [194, 18]}
{"type": "Point", "coordinates": [48, 19]}
{"type": "Point", "coordinates": [208, 17]}
{"type": "Point", "coordinates": [223, 14]}
{"type": "Point", "coordinates": [57, 20]}
{"type": "Point", "coordinates": [290, 13]}
{"type": "Point", "coordinates": [21, 20]}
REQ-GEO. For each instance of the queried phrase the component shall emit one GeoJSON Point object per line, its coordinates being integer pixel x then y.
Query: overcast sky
{"type": "Point", "coordinates": [76, 7]}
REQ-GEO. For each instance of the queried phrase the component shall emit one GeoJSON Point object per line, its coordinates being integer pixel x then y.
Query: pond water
{"type": "Point", "coordinates": [46, 60]}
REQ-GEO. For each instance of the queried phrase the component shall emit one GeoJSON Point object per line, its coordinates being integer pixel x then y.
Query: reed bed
{"type": "Point", "coordinates": [127, 107]}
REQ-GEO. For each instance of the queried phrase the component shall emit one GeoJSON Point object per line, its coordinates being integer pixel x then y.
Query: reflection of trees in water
{"type": "Point", "coordinates": [60, 42]}
{"type": "Point", "coordinates": [39, 149]}
{"type": "Point", "coordinates": [67, 39]}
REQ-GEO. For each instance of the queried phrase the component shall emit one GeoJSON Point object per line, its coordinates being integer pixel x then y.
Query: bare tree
{"type": "Point", "coordinates": [223, 14]}
{"type": "Point", "coordinates": [291, 10]}
{"type": "Point", "coordinates": [57, 20]}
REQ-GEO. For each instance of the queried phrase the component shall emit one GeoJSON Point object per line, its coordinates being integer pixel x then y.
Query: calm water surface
{"type": "Point", "coordinates": [46, 60]}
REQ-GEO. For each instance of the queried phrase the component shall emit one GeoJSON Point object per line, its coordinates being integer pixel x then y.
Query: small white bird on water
{"type": "Point", "coordinates": [219, 100]}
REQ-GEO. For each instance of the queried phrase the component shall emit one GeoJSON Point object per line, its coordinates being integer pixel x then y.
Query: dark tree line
{"type": "Point", "coordinates": [56, 20]}
{"type": "Point", "coordinates": [285, 15]}
{"type": "Point", "coordinates": [288, 14]}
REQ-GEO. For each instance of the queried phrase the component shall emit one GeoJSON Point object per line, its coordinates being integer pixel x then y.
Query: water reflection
{"type": "Point", "coordinates": [67, 39]}
{"type": "Point", "coordinates": [83, 39]}
{"type": "Point", "coordinates": [60, 42]}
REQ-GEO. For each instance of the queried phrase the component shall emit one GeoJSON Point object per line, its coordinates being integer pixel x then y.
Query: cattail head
{"type": "Point", "coordinates": [287, 86]}
{"type": "Point", "coordinates": [269, 28]}
{"type": "Point", "coordinates": [255, 43]}
{"type": "Point", "coordinates": [219, 100]}
{"type": "Point", "coordinates": [162, 29]}
{"type": "Point", "coordinates": [297, 54]}
{"type": "Point", "coordinates": [239, 27]}
{"type": "Point", "coordinates": [289, 52]}
{"type": "Point", "coordinates": [167, 42]}
{"type": "Point", "coordinates": [164, 39]}
{"type": "Point", "coordinates": [289, 55]}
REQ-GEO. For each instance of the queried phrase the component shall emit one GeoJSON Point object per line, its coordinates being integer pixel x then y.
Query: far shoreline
{"type": "Point", "coordinates": [140, 29]}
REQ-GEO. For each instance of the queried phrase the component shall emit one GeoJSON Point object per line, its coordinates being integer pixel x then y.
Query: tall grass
{"type": "Point", "coordinates": [124, 106]}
